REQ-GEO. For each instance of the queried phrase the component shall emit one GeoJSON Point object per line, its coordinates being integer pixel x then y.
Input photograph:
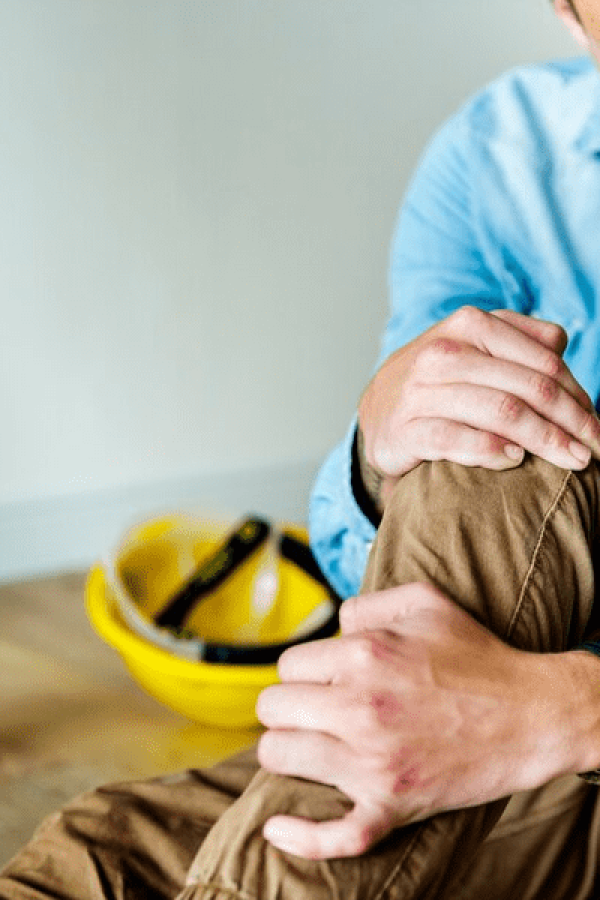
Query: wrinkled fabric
{"type": "Point", "coordinates": [518, 550]}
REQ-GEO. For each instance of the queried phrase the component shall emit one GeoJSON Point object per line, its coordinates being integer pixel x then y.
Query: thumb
{"type": "Point", "coordinates": [351, 835]}
{"type": "Point", "coordinates": [383, 609]}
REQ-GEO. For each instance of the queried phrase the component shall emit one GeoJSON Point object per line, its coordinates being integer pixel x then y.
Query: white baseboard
{"type": "Point", "coordinates": [69, 533]}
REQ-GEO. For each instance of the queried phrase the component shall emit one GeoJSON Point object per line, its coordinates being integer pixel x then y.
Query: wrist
{"type": "Point", "coordinates": [550, 732]}
{"type": "Point", "coordinates": [572, 685]}
{"type": "Point", "coordinates": [584, 672]}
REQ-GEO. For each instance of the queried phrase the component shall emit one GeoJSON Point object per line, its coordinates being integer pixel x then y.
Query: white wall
{"type": "Point", "coordinates": [197, 201]}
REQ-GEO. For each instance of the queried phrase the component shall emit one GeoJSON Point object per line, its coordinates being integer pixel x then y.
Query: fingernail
{"type": "Point", "coordinates": [581, 453]}
{"type": "Point", "coordinates": [514, 452]}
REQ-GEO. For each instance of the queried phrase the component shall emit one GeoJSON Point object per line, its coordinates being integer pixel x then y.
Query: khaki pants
{"type": "Point", "coordinates": [516, 549]}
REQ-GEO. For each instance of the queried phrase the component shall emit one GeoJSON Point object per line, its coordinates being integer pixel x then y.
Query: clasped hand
{"type": "Point", "coordinates": [406, 713]}
{"type": "Point", "coordinates": [478, 388]}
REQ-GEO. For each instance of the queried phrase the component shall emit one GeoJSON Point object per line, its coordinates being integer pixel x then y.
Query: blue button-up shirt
{"type": "Point", "coordinates": [503, 211]}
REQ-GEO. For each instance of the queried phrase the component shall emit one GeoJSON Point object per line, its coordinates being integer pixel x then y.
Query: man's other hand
{"type": "Point", "coordinates": [414, 710]}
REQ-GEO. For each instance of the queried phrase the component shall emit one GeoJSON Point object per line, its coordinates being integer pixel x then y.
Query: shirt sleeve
{"type": "Point", "coordinates": [438, 259]}
{"type": "Point", "coordinates": [437, 265]}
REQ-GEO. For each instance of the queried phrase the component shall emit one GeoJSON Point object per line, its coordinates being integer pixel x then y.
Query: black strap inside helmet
{"type": "Point", "coordinates": [242, 542]}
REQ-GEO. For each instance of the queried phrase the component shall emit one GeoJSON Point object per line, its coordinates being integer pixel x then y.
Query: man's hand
{"type": "Point", "coordinates": [478, 388]}
{"type": "Point", "coordinates": [414, 710]}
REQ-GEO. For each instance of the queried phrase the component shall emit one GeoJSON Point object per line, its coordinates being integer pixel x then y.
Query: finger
{"type": "Point", "coordinates": [540, 392]}
{"type": "Point", "coordinates": [548, 333]}
{"type": "Point", "coordinates": [502, 340]}
{"type": "Point", "coordinates": [307, 754]}
{"type": "Point", "coordinates": [437, 438]}
{"type": "Point", "coordinates": [389, 608]}
{"type": "Point", "coordinates": [458, 362]}
{"type": "Point", "coordinates": [307, 706]}
{"type": "Point", "coordinates": [511, 418]}
{"type": "Point", "coordinates": [351, 835]}
{"type": "Point", "coordinates": [316, 662]}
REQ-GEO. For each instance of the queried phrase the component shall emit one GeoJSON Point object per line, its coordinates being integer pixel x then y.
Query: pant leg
{"type": "Point", "coordinates": [545, 847]}
{"type": "Point", "coordinates": [126, 841]}
{"type": "Point", "coordinates": [517, 550]}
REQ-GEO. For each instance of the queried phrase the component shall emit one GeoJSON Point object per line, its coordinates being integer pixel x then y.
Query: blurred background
{"type": "Point", "coordinates": [197, 205]}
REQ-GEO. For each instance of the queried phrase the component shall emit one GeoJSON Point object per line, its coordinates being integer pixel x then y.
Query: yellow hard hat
{"type": "Point", "coordinates": [201, 618]}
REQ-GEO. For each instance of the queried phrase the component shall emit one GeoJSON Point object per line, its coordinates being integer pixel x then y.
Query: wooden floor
{"type": "Point", "coordinates": [71, 717]}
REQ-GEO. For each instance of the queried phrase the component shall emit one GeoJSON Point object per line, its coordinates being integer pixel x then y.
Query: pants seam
{"type": "Point", "coordinates": [537, 549]}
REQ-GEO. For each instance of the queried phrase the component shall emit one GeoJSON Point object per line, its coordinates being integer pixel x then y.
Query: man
{"type": "Point", "coordinates": [470, 487]}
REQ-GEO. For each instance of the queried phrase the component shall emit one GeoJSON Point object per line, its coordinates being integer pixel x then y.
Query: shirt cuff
{"type": "Point", "coordinates": [341, 534]}
{"type": "Point", "coordinates": [361, 495]}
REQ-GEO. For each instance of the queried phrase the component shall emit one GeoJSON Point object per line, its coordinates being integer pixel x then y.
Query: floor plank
{"type": "Point", "coordinates": [71, 717]}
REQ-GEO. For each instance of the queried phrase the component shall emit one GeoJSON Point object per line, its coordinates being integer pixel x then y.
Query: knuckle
{"type": "Point", "coordinates": [468, 319]}
{"type": "Point", "coordinates": [545, 388]}
{"type": "Point", "coordinates": [510, 408]}
{"type": "Point", "coordinates": [364, 651]}
{"type": "Point", "coordinates": [384, 707]}
{"type": "Point", "coordinates": [485, 444]}
{"type": "Point", "coordinates": [551, 436]}
{"type": "Point", "coordinates": [374, 712]}
{"type": "Point", "coordinates": [441, 347]}
{"type": "Point", "coordinates": [438, 353]}
{"type": "Point", "coordinates": [552, 365]}
{"type": "Point", "coordinates": [404, 781]}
